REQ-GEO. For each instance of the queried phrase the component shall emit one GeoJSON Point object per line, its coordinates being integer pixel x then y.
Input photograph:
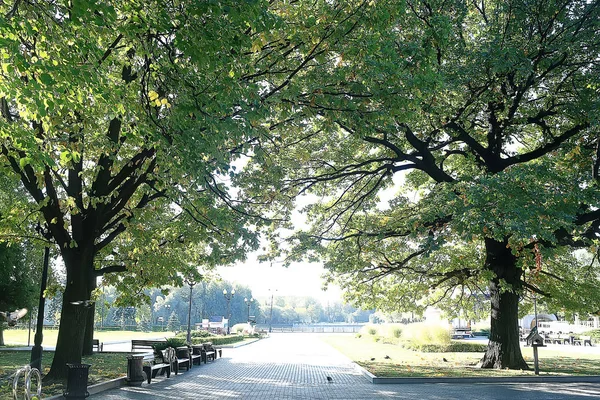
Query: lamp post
{"type": "Point", "coordinates": [248, 303]}
{"type": "Point", "coordinates": [189, 332]}
{"type": "Point", "coordinates": [271, 312]}
{"type": "Point", "coordinates": [167, 308]}
{"type": "Point", "coordinates": [36, 351]}
{"type": "Point", "coordinates": [228, 297]}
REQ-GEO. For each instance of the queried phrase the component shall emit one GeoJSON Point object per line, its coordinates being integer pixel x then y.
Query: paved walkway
{"type": "Point", "coordinates": [296, 366]}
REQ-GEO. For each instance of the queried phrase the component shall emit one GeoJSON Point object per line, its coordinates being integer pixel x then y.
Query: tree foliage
{"type": "Point", "coordinates": [121, 120]}
{"type": "Point", "coordinates": [479, 120]}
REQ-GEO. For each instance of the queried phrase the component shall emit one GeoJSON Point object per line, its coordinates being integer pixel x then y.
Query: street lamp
{"type": "Point", "coordinates": [167, 308]}
{"type": "Point", "coordinates": [271, 312]}
{"type": "Point", "coordinates": [189, 333]}
{"type": "Point", "coordinates": [248, 303]}
{"type": "Point", "coordinates": [228, 297]}
{"type": "Point", "coordinates": [36, 351]}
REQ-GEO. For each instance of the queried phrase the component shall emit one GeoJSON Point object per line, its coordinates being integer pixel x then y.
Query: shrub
{"type": "Point", "coordinates": [170, 342]}
{"type": "Point", "coordinates": [422, 333]}
{"type": "Point", "coordinates": [218, 340]}
{"type": "Point", "coordinates": [452, 347]}
{"type": "Point", "coordinates": [368, 330]}
{"type": "Point", "coordinates": [397, 332]}
{"type": "Point", "coordinates": [196, 334]}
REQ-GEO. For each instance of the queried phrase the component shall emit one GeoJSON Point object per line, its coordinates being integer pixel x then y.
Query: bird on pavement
{"type": "Point", "coordinates": [387, 357]}
{"type": "Point", "coordinates": [444, 359]}
{"type": "Point", "coordinates": [329, 379]}
{"type": "Point", "coordinates": [373, 359]}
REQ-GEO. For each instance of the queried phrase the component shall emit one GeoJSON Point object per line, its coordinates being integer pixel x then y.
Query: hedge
{"type": "Point", "coordinates": [219, 340]}
{"type": "Point", "coordinates": [453, 347]}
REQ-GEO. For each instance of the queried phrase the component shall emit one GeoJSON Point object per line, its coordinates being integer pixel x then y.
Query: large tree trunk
{"type": "Point", "coordinates": [503, 349]}
{"type": "Point", "coordinates": [1, 333]}
{"type": "Point", "coordinates": [89, 330]}
{"type": "Point", "coordinates": [71, 333]}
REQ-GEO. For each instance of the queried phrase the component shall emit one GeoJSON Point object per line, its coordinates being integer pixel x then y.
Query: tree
{"type": "Point", "coordinates": [481, 119]}
{"type": "Point", "coordinates": [19, 284]}
{"type": "Point", "coordinates": [121, 124]}
{"type": "Point", "coordinates": [173, 323]}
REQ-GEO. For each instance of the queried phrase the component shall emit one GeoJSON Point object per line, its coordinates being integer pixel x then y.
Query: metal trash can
{"type": "Point", "coordinates": [135, 370]}
{"type": "Point", "coordinates": [77, 381]}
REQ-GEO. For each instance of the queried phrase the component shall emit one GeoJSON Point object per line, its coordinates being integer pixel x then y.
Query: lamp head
{"type": "Point", "coordinates": [224, 292]}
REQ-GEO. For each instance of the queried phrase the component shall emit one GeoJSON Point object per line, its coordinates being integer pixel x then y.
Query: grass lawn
{"type": "Point", "coordinates": [19, 336]}
{"type": "Point", "coordinates": [105, 366]}
{"type": "Point", "coordinates": [407, 363]}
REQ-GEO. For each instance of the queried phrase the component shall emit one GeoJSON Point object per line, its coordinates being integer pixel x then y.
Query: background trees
{"type": "Point", "coordinates": [19, 286]}
{"type": "Point", "coordinates": [446, 146]}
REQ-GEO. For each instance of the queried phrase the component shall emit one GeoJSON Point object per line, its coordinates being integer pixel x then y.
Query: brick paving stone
{"type": "Point", "coordinates": [292, 366]}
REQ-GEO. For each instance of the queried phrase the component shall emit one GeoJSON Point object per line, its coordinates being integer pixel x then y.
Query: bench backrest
{"type": "Point", "coordinates": [137, 344]}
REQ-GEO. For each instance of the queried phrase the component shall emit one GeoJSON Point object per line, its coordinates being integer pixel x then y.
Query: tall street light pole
{"type": "Point", "coordinates": [36, 351]}
{"type": "Point", "coordinates": [248, 303]}
{"type": "Point", "coordinates": [228, 297]}
{"type": "Point", "coordinates": [189, 331]}
{"type": "Point", "coordinates": [167, 308]}
{"type": "Point", "coordinates": [271, 312]}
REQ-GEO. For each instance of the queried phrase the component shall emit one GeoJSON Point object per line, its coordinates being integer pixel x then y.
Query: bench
{"type": "Point", "coordinates": [583, 340]}
{"type": "Point", "coordinates": [196, 354]}
{"type": "Point", "coordinates": [144, 345]}
{"type": "Point", "coordinates": [182, 357]}
{"type": "Point", "coordinates": [205, 351]}
{"type": "Point", "coordinates": [155, 362]}
{"type": "Point", "coordinates": [96, 345]}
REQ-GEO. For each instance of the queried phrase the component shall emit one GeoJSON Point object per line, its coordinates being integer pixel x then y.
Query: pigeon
{"type": "Point", "coordinates": [387, 357]}
{"type": "Point", "coordinates": [444, 359]}
{"type": "Point", "coordinates": [329, 379]}
{"type": "Point", "coordinates": [12, 317]}
{"type": "Point", "coordinates": [373, 359]}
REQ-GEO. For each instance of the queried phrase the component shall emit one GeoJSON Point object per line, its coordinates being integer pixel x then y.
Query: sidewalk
{"type": "Point", "coordinates": [296, 366]}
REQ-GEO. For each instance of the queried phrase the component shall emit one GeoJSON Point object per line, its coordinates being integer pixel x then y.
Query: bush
{"type": "Point", "coordinates": [368, 330]}
{"type": "Point", "coordinates": [452, 347]}
{"type": "Point", "coordinates": [197, 334]}
{"type": "Point", "coordinates": [422, 333]}
{"type": "Point", "coordinates": [171, 342]}
{"type": "Point", "coordinates": [218, 340]}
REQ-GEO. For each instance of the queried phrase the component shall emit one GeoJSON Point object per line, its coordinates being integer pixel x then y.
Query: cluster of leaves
{"type": "Point", "coordinates": [478, 120]}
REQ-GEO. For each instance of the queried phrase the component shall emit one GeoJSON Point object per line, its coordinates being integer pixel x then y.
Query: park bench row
{"type": "Point", "coordinates": [550, 338]}
{"type": "Point", "coordinates": [170, 359]}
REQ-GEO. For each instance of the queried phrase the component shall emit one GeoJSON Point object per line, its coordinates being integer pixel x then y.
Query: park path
{"type": "Point", "coordinates": [296, 366]}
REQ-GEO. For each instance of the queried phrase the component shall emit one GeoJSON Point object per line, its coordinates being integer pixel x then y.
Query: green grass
{"type": "Point", "coordinates": [408, 363]}
{"type": "Point", "coordinates": [104, 366]}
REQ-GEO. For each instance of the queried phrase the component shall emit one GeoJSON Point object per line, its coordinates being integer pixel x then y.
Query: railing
{"type": "Point", "coordinates": [316, 328]}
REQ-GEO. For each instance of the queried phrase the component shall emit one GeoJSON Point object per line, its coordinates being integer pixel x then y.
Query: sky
{"type": "Point", "coordinates": [300, 279]}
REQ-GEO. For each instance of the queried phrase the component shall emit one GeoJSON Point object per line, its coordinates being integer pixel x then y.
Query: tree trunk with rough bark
{"type": "Point", "coordinates": [71, 333]}
{"type": "Point", "coordinates": [503, 349]}
{"type": "Point", "coordinates": [89, 331]}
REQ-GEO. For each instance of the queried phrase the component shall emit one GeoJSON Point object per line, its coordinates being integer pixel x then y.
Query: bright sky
{"type": "Point", "coordinates": [300, 279]}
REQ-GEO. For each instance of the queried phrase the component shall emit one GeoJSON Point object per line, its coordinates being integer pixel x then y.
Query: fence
{"type": "Point", "coordinates": [351, 328]}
